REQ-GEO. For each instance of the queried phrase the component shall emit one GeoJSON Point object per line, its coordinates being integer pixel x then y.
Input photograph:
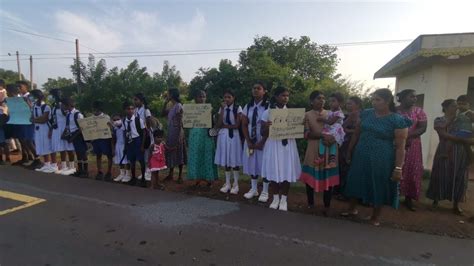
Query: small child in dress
{"type": "Point", "coordinates": [120, 157]}
{"type": "Point", "coordinates": [156, 160]}
{"type": "Point", "coordinates": [333, 127]}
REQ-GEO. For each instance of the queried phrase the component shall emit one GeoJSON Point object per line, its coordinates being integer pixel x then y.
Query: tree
{"type": "Point", "coordinates": [9, 76]}
{"type": "Point", "coordinates": [66, 85]}
{"type": "Point", "coordinates": [115, 86]}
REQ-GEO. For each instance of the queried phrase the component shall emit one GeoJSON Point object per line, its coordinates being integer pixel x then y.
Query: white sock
{"type": "Point", "coordinates": [72, 165]}
{"type": "Point", "coordinates": [47, 164]}
{"type": "Point", "coordinates": [127, 172]}
{"type": "Point", "coordinates": [227, 177]}
{"type": "Point", "coordinates": [236, 177]}
{"type": "Point", "coordinates": [63, 165]}
{"type": "Point", "coordinates": [254, 184]}
{"type": "Point", "coordinates": [276, 197]}
{"type": "Point", "coordinates": [122, 172]}
{"type": "Point", "coordinates": [265, 187]}
{"type": "Point", "coordinates": [283, 198]}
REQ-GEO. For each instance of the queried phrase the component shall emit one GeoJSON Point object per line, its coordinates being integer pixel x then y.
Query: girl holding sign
{"type": "Point", "coordinates": [281, 162]}
{"type": "Point", "coordinates": [201, 165]}
{"type": "Point", "coordinates": [229, 145]}
{"type": "Point", "coordinates": [254, 141]}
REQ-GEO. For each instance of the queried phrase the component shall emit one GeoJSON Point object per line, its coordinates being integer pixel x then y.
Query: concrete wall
{"type": "Point", "coordinates": [437, 83]}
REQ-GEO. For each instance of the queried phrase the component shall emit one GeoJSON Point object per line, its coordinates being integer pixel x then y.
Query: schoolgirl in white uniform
{"type": "Point", "coordinates": [229, 144]}
{"type": "Point", "coordinates": [40, 118]}
{"type": "Point", "coordinates": [254, 141]}
{"type": "Point", "coordinates": [120, 158]}
{"type": "Point", "coordinates": [281, 162]}
{"type": "Point", "coordinates": [57, 120]}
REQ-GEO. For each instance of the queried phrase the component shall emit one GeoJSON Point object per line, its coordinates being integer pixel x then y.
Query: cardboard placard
{"type": "Point", "coordinates": [95, 127]}
{"type": "Point", "coordinates": [197, 115]}
{"type": "Point", "coordinates": [287, 123]}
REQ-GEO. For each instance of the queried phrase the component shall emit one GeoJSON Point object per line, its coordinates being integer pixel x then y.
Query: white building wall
{"type": "Point", "coordinates": [437, 83]}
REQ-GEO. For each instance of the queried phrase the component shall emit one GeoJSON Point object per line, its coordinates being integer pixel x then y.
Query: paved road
{"type": "Point", "coordinates": [87, 222]}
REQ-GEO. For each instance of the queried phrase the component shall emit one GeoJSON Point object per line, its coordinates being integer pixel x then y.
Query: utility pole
{"type": "Point", "coordinates": [18, 64]}
{"type": "Point", "coordinates": [78, 66]}
{"type": "Point", "coordinates": [31, 72]}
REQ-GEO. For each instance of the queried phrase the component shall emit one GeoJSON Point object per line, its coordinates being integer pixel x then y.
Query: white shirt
{"type": "Point", "coordinates": [249, 110]}
{"type": "Point", "coordinates": [143, 113]}
{"type": "Point", "coordinates": [37, 110]}
{"type": "Point", "coordinates": [72, 124]}
{"type": "Point", "coordinates": [133, 127]}
{"type": "Point", "coordinates": [231, 114]}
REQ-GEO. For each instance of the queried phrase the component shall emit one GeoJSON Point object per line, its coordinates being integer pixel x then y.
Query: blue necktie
{"type": "Point", "coordinates": [227, 120]}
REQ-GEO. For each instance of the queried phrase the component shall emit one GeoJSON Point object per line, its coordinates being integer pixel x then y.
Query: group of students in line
{"type": "Point", "coordinates": [361, 156]}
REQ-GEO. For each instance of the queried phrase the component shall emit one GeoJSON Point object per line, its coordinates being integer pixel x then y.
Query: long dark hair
{"type": "Point", "coordinates": [403, 94]}
{"type": "Point", "coordinates": [174, 94]}
{"type": "Point", "coordinates": [37, 94]}
{"type": "Point", "coordinates": [278, 90]}
{"type": "Point", "coordinates": [387, 96]}
{"type": "Point", "coordinates": [315, 94]}
{"type": "Point", "coordinates": [56, 94]}
{"type": "Point", "coordinates": [142, 98]}
{"type": "Point", "coordinates": [446, 103]}
{"type": "Point", "coordinates": [357, 100]}
{"type": "Point", "coordinates": [265, 101]}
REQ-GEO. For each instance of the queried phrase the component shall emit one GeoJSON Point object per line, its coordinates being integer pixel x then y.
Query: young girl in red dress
{"type": "Point", "coordinates": [157, 161]}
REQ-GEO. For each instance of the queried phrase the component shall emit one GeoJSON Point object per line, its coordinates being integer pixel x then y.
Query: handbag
{"type": "Point", "coordinates": [213, 132]}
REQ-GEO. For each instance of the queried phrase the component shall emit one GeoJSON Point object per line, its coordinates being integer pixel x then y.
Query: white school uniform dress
{"type": "Point", "coordinates": [229, 150]}
{"type": "Point", "coordinates": [280, 162]}
{"type": "Point", "coordinates": [120, 157]}
{"type": "Point", "coordinates": [42, 140]}
{"type": "Point", "coordinates": [252, 164]}
{"type": "Point", "coordinates": [58, 144]}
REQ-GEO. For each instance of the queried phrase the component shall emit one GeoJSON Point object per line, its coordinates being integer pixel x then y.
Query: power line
{"type": "Point", "coordinates": [127, 56]}
{"type": "Point", "coordinates": [201, 50]}
{"type": "Point", "coordinates": [40, 35]}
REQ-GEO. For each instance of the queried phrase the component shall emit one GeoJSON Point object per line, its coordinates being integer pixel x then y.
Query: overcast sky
{"type": "Point", "coordinates": [131, 26]}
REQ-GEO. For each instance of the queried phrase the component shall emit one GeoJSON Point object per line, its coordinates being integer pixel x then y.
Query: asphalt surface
{"type": "Point", "coordinates": [88, 222]}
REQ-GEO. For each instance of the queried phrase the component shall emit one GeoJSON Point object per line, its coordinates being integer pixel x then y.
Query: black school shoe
{"type": "Point", "coordinates": [143, 182]}
{"type": "Point", "coordinates": [20, 162]}
{"type": "Point", "coordinates": [108, 177]}
{"type": "Point", "coordinates": [36, 164]}
{"type": "Point", "coordinates": [99, 176]}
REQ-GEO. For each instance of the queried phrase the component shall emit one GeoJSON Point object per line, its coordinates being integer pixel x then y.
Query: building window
{"type": "Point", "coordinates": [420, 100]}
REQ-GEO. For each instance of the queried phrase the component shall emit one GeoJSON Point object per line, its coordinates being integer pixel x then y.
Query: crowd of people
{"type": "Point", "coordinates": [371, 156]}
